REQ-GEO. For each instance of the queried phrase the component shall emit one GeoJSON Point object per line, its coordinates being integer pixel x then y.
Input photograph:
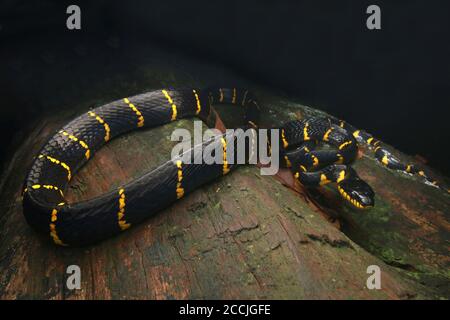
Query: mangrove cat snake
{"type": "Point", "coordinates": [86, 222]}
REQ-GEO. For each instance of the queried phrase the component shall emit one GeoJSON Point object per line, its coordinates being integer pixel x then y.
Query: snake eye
{"type": "Point", "coordinates": [357, 192]}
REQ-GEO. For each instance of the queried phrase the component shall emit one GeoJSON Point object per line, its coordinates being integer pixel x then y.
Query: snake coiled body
{"type": "Point", "coordinates": [86, 222]}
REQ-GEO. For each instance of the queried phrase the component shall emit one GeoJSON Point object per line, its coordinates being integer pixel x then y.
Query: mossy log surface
{"type": "Point", "coordinates": [242, 236]}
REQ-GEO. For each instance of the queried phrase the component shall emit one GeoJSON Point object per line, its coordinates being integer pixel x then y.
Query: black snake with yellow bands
{"type": "Point", "coordinates": [86, 222]}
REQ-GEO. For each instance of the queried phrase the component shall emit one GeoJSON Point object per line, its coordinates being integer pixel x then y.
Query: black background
{"type": "Point", "coordinates": [170, 308]}
{"type": "Point", "coordinates": [393, 82]}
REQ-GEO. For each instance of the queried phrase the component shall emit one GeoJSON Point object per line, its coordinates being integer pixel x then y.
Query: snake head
{"type": "Point", "coordinates": [357, 192]}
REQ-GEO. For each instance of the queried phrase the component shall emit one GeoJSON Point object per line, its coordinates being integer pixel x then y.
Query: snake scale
{"type": "Point", "coordinates": [90, 221]}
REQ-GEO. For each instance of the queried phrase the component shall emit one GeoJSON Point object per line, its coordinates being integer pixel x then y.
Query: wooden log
{"type": "Point", "coordinates": [243, 236]}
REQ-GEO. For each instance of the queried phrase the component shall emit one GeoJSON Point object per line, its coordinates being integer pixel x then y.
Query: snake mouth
{"type": "Point", "coordinates": [358, 193]}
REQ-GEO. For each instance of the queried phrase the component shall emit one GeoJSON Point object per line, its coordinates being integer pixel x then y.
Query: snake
{"type": "Point", "coordinates": [90, 221]}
